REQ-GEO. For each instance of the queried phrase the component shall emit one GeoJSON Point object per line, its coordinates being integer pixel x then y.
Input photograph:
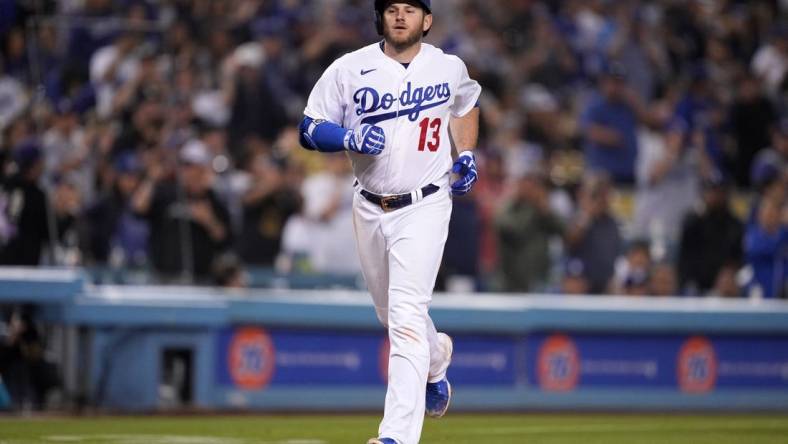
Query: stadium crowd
{"type": "Point", "coordinates": [634, 148]}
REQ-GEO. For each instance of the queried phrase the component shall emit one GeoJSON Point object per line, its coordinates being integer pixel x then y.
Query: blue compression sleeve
{"type": "Point", "coordinates": [322, 135]}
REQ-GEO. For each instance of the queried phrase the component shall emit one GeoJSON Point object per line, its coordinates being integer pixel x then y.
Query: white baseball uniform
{"type": "Point", "coordinates": [401, 250]}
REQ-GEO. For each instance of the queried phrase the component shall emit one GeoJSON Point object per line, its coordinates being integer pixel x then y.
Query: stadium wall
{"type": "Point", "coordinates": [151, 348]}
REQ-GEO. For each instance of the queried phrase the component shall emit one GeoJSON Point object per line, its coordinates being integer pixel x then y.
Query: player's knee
{"type": "Point", "coordinates": [408, 341]}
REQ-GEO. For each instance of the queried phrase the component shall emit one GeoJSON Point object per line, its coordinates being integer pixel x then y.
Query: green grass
{"type": "Point", "coordinates": [356, 429]}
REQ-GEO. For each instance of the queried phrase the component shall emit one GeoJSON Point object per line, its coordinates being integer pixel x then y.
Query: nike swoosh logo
{"type": "Point", "coordinates": [367, 71]}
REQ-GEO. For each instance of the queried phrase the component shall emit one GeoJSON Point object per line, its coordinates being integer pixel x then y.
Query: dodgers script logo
{"type": "Point", "coordinates": [369, 100]}
{"type": "Point", "coordinates": [251, 358]}
{"type": "Point", "coordinates": [696, 365]}
{"type": "Point", "coordinates": [558, 364]}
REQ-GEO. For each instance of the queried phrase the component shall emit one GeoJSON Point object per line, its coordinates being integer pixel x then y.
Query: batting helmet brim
{"type": "Point", "coordinates": [425, 4]}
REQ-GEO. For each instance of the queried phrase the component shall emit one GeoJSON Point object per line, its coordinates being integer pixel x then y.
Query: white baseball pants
{"type": "Point", "coordinates": [400, 252]}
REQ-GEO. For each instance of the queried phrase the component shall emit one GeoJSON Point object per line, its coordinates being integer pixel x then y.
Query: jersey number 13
{"type": "Point", "coordinates": [433, 127]}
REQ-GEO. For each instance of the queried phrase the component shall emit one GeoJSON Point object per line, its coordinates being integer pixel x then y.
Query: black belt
{"type": "Point", "coordinates": [396, 201]}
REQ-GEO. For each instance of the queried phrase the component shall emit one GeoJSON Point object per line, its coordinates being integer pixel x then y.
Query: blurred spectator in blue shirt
{"type": "Point", "coordinates": [609, 128]}
{"type": "Point", "coordinates": [766, 249]}
{"type": "Point", "coordinates": [694, 131]}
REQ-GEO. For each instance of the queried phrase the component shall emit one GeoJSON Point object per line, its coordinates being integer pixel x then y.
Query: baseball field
{"type": "Point", "coordinates": [356, 429]}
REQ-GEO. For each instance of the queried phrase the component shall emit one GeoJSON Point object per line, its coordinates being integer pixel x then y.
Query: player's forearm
{"type": "Point", "coordinates": [322, 135]}
{"type": "Point", "coordinates": [465, 130]}
{"type": "Point", "coordinates": [328, 137]}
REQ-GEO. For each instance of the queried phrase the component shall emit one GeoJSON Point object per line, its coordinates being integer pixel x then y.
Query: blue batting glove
{"type": "Point", "coordinates": [465, 167]}
{"type": "Point", "coordinates": [368, 139]}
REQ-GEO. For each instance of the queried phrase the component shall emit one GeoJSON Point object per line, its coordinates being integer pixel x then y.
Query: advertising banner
{"type": "Point", "coordinates": [253, 358]}
{"type": "Point", "coordinates": [691, 364]}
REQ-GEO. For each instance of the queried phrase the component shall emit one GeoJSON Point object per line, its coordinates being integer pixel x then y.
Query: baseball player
{"type": "Point", "coordinates": [395, 106]}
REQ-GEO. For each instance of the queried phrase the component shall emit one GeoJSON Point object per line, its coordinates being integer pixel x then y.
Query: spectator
{"type": "Point", "coordinates": [189, 226]}
{"type": "Point", "coordinates": [13, 98]}
{"type": "Point", "coordinates": [111, 66]}
{"type": "Point", "coordinates": [636, 283]}
{"type": "Point", "coordinates": [726, 286]}
{"type": "Point", "coordinates": [524, 227]}
{"type": "Point", "coordinates": [593, 235]}
{"type": "Point", "coordinates": [66, 151]}
{"type": "Point", "coordinates": [268, 203]}
{"type": "Point", "coordinates": [770, 61]}
{"type": "Point", "coordinates": [663, 281]}
{"type": "Point", "coordinates": [766, 249]}
{"type": "Point", "coordinates": [752, 117]}
{"type": "Point", "coordinates": [23, 367]}
{"type": "Point", "coordinates": [711, 236]}
{"type": "Point", "coordinates": [608, 127]}
{"type": "Point", "coordinates": [490, 193]}
{"type": "Point", "coordinates": [25, 209]}
{"type": "Point", "coordinates": [66, 208]}
{"type": "Point", "coordinates": [228, 272]}
{"type": "Point", "coordinates": [460, 264]}
{"type": "Point", "coordinates": [116, 235]}
{"type": "Point", "coordinates": [255, 112]}
{"type": "Point", "coordinates": [280, 70]}
{"type": "Point", "coordinates": [772, 160]}
{"type": "Point", "coordinates": [574, 280]}
{"type": "Point", "coordinates": [324, 230]}
{"type": "Point", "coordinates": [772, 184]}
{"type": "Point", "coordinates": [636, 262]}
{"type": "Point", "coordinates": [667, 181]}
{"type": "Point", "coordinates": [637, 46]}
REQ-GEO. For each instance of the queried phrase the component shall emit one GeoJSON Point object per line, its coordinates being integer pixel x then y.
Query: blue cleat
{"type": "Point", "coordinates": [438, 394]}
{"type": "Point", "coordinates": [381, 441]}
{"type": "Point", "coordinates": [438, 397]}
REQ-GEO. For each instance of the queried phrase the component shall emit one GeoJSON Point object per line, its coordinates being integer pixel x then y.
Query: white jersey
{"type": "Point", "coordinates": [412, 105]}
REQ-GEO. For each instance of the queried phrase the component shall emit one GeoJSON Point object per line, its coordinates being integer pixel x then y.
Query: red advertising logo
{"type": "Point", "coordinates": [251, 358]}
{"type": "Point", "coordinates": [696, 366]}
{"type": "Point", "coordinates": [558, 364]}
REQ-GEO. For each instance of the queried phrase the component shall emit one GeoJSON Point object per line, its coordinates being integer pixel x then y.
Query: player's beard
{"type": "Point", "coordinates": [402, 43]}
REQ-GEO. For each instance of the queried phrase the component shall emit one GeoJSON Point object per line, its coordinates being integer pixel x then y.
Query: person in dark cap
{"type": "Point", "coordinates": [24, 207]}
{"type": "Point", "coordinates": [711, 236]}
